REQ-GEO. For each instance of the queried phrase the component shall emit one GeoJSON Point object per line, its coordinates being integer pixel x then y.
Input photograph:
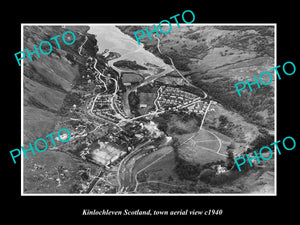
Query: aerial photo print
{"type": "Point", "coordinates": [159, 117]}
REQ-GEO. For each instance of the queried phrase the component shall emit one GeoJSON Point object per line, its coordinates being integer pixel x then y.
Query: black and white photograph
{"type": "Point", "coordinates": [150, 113]}
{"type": "Point", "coordinates": [159, 116]}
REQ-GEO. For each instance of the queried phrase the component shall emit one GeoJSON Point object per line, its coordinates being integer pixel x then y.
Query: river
{"type": "Point", "coordinates": [111, 38]}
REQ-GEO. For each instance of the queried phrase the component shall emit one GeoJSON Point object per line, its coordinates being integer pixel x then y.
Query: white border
{"type": "Point", "coordinates": [147, 24]}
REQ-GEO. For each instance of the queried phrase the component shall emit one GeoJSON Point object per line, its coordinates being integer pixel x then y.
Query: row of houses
{"type": "Point", "coordinates": [171, 97]}
{"type": "Point", "coordinates": [102, 108]}
{"type": "Point", "coordinates": [198, 107]}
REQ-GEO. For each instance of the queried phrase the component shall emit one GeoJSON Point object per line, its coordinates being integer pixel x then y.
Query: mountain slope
{"type": "Point", "coordinates": [48, 79]}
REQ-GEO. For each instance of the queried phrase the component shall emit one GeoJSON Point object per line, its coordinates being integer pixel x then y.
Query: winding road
{"type": "Point", "coordinates": [80, 48]}
{"type": "Point", "coordinates": [98, 77]}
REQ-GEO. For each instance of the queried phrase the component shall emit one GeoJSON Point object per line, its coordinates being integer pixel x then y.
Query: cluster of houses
{"type": "Point", "coordinates": [199, 107]}
{"type": "Point", "coordinates": [119, 106]}
{"type": "Point", "coordinates": [103, 109]}
{"type": "Point", "coordinates": [174, 98]}
{"type": "Point", "coordinates": [91, 72]}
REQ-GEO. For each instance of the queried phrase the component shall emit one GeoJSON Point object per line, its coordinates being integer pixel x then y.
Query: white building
{"type": "Point", "coordinates": [221, 169]}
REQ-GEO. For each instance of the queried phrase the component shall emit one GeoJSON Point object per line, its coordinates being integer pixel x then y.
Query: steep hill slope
{"type": "Point", "coordinates": [48, 79]}
{"type": "Point", "coordinates": [48, 83]}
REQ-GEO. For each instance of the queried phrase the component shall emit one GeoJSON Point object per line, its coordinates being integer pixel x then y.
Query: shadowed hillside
{"type": "Point", "coordinates": [48, 79]}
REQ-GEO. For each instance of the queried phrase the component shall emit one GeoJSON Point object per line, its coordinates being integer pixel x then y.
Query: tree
{"type": "Point", "coordinates": [245, 166]}
{"type": "Point", "coordinates": [206, 175]}
{"type": "Point", "coordinates": [175, 142]}
{"type": "Point", "coordinates": [85, 176]}
{"type": "Point", "coordinates": [185, 170]}
{"type": "Point", "coordinates": [261, 140]}
{"type": "Point", "coordinates": [134, 102]}
{"type": "Point", "coordinates": [223, 120]}
{"type": "Point", "coordinates": [170, 178]}
{"type": "Point", "coordinates": [230, 158]}
{"type": "Point", "coordinates": [75, 188]}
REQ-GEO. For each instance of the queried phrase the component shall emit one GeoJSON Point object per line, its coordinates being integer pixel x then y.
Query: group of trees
{"type": "Point", "coordinates": [71, 59]}
{"type": "Point", "coordinates": [134, 102]}
{"type": "Point", "coordinates": [165, 122]}
{"type": "Point", "coordinates": [91, 45]}
{"type": "Point", "coordinates": [223, 91]}
{"type": "Point", "coordinates": [187, 171]}
{"type": "Point", "coordinates": [191, 89]}
{"type": "Point", "coordinates": [162, 121]}
{"type": "Point", "coordinates": [129, 64]}
{"type": "Point", "coordinates": [263, 139]}
{"type": "Point", "coordinates": [207, 173]}
{"type": "Point", "coordinates": [210, 177]}
{"type": "Point", "coordinates": [225, 126]}
{"type": "Point", "coordinates": [230, 157]}
{"type": "Point", "coordinates": [72, 98]}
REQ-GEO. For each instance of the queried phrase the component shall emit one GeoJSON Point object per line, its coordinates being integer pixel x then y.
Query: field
{"type": "Point", "coordinates": [146, 161]}
{"type": "Point", "coordinates": [203, 147]}
{"type": "Point", "coordinates": [146, 99]}
{"type": "Point", "coordinates": [236, 131]}
{"type": "Point", "coordinates": [131, 78]}
{"type": "Point", "coordinates": [160, 176]}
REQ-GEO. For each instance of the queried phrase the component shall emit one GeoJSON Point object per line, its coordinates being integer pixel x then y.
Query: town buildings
{"type": "Point", "coordinates": [174, 98]}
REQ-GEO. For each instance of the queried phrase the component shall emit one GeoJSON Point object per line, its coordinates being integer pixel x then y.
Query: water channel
{"type": "Point", "coordinates": [110, 37]}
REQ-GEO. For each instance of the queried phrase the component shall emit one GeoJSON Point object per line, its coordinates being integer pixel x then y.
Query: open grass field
{"type": "Point", "coordinates": [207, 139]}
{"type": "Point", "coordinates": [203, 147]}
{"type": "Point", "coordinates": [131, 78]}
{"type": "Point", "coordinates": [162, 169]}
{"type": "Point", "coordinates": [150, 158]}
{"type": "Point", "coordinates": [213, 144]}
{"type": "Point", "coordinates": [226, 141]}
{"type": "Point", "coordinates": [161, 174]}
{"type": "Point", "coordinates": [147, 100]}
{"type": "Point", "coordinates": [202, 155]}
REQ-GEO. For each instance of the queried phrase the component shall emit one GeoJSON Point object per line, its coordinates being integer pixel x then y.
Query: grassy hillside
{"type": "Point", "coordinates": [48, 79]}
{"type": "Point", "coordinates": [48, 84]}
